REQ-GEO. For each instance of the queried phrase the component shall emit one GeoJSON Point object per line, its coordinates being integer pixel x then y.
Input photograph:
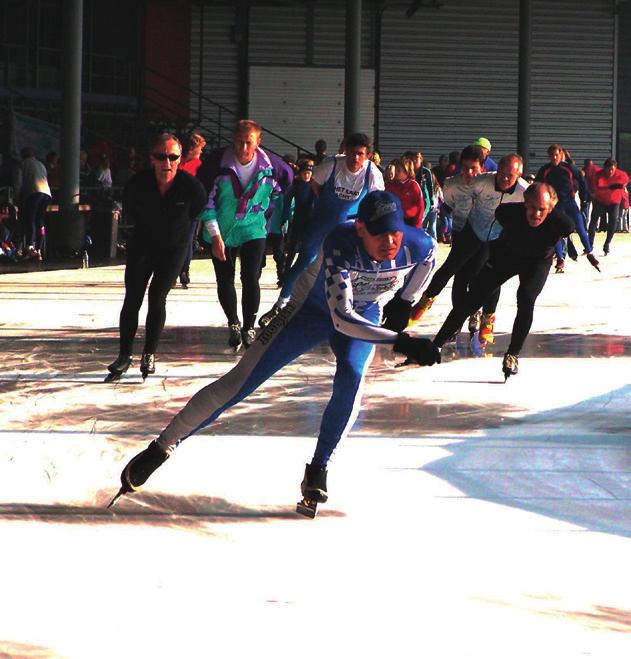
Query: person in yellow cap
{"type": "Point", "coordinates": [489, 164]}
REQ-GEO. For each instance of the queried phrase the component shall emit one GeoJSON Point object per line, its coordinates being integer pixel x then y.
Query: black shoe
{"type": "Point", "coordinates": [140, 467]}
{"type": "Point", "coordinates": [606, 249]}
{"type": "Point", "coordinates": [147, 364]}
{"type": "Point", "coordinates": [510, 365]}
{"type": "Point", "coordinates": [313, 486]}
{"type": "Point", "coordinates": [269, 316]}
{"type": "Point", "coordinates": [248, 336]}
{"type": "Point", "coordinates": [185, 278]}
{"type": "Point", "coordinates": [234, 337]}
{"type": "Point", "coordinates": [122, 363]}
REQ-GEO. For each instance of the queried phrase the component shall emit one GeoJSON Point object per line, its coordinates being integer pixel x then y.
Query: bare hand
{"type": "Point", "coordinates": [218, 248]}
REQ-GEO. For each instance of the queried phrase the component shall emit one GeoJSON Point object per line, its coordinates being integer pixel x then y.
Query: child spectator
{"type": "Point", "coordinates": [302, 197]}
{"type": "Point", "coordinates": [406, 188]}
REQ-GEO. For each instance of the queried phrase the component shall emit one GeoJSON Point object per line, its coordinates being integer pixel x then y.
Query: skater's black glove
{"type": "Point", "coordinates": [396, 314]}
{"type": "Point", "coordinates": [593, 260]}
{"type": "Point", "coordinates": [419, 351]}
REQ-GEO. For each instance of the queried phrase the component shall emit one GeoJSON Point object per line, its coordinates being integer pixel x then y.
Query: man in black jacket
{"type": "Point", "coordinates": [525, 248]}
{"type": "Point", "coordinates": [161, 203]}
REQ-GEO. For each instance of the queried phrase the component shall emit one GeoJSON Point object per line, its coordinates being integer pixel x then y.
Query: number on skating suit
{"type": "Point", "coordinates": [307, 507]}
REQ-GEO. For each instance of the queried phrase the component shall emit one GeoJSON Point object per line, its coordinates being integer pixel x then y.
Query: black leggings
{"type": "Point", "coordinates": [499, 269]}
{"type": "Point", "coordinates": [33, 215]}
{"type": "Point", "coordinates": [600, 211]}
{"type": "Point", "coordinates": [165, 267]}
{"type": "Point", "coordinates": [467, 256]}
{"type": "Point", "coordinates": [251, 255]}
{"type": "Point", "coordinates": [276, 242]}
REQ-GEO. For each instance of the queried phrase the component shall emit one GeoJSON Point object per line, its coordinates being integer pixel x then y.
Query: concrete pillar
{"type": "Point", "coordinates": [353, 66]}
{"type": "Point", "coordinates": [71, 102]}
{"type": "Point", "coordinates": [71, 229]}
{"type": "Point", "coordinates": [524, 96]}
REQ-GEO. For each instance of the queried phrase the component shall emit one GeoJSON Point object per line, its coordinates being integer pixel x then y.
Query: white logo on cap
{"type": "Point", "coordinates": [383, 208]}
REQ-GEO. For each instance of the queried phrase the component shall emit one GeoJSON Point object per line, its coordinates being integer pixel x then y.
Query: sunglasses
{"type": "Point", "coordinates": [165, 156]}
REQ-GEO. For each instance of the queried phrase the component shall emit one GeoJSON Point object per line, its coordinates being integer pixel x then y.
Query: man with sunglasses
{"type": "Point", "coordinates": [161, 203]}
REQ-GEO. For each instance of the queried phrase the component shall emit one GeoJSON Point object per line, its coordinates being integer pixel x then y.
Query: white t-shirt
{"type": "Point", "coordinates": [348, 185]}
{"type": "Point", "coordinates": [246, 172]}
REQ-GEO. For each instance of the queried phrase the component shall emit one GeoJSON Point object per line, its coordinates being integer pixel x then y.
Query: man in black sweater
{"type": "Point", "coordinates": [525, 248]}
{"type": "Point", "coordinates": [161, 203]}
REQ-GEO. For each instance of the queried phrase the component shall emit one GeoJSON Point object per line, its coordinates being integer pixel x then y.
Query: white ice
{"type": "Point", "coordinates": [467, 518]}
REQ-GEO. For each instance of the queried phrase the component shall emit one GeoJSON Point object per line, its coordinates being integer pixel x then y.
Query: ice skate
{"type": "Point", "coordinates": [487, 322]}
{"type": "Point", "coordinates": [560, 267]}
{"type": "Point", "coordinates": [248, 336]}
{"type": "Point", "coordinates": [147, 364]}
{"type": "Point", "coordinates": [313, 488]}
{"type": "Point", "coordinates": [118, 368]}
{"type": "Point", "coordinates": [423, 305]}
{"type": "Point", "coordinates": [185, 278]}
{"type": "Point", "coordinates": [269, 316]}
{"type": "Point", "coordinates": [138, 470]}
{"type": "Point", "coordinates": [474, 322]}
{"type": "Point", "coordinates": [510, 365]}
{"type": "Point", "coordinates": [234, 336]}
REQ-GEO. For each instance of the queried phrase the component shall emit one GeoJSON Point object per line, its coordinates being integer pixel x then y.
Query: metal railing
{"type": "Point", "coordinates": [221, 131]}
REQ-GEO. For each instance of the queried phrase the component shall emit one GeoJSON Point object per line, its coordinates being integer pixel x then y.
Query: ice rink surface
{"type": "Point", "coordinates": [467, 518]}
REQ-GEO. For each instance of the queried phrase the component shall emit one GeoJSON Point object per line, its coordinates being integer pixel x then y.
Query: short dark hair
{"type": "Point", "coordinates": [555, 147]}
{"type": "Point", "coordinates": [320, 146]}
{"type": "Point", "coordinates": [472, 152]}
{"type": "Point", "coordinates": [610, 162]}
{"type": "Point", "coordinates": [357, 139]}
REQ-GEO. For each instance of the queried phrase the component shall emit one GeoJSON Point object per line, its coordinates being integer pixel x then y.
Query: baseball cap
{"type": "Point", "coordinates": [381, 212]}
{"type": "Point", "coordinates": [483, 142]}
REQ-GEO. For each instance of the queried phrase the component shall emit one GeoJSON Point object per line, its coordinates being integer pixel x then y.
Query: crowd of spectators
{"type": "Point", "coordinates": [28, 186]}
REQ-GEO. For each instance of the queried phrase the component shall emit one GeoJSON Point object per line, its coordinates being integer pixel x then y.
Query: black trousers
{"type": "Point", "coordinates": [465, 260]}
{"type": "Point", "coordinates": [251, 256]}
{"type": "Point", "coordinates": [33, 215]}
{"type": "Point", "coordinates": [276, 242]}
{"type": "Point", "coordinates": [600, 212]}
{"type": "Point", "coordinates": [165, 267]}
{"type": "Point", "coordinates": [500, 268]}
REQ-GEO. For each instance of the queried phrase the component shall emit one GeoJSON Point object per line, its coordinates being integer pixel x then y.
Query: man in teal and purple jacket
{"type": "Point", "coordinates": [241, 198]}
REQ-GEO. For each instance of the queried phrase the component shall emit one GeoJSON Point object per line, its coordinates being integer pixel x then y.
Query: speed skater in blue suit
{"type": "Point", "coordinates": [358, 293]}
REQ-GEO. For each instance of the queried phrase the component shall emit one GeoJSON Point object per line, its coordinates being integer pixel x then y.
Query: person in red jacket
{"type": "Point", "coordinates": [405, 187]}
{"type": "Point", "coordinates": [609, 185]}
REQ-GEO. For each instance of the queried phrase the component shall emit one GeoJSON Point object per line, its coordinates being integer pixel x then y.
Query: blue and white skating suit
{"type": "Point", "coordinates": [339, 301]}
{"type": "Point", "coordinates": [339, 197]}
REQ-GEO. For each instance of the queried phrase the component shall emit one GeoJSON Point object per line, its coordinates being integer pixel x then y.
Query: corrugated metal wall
{"type": "Point", "coordinates": [572, 79]}
{"type": "Point", "coordinates": [304, 104]}
{"type": "Point", "coordinates": [218, 66]}
{"type": "Point", "coordinates": [296, 55]}
{"type": "Point", "coordinates": [449, 75]}
{"type": "Point", "coordinates": [278, 35]}
{"type": "Point", "coordinates": [329, 34]}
